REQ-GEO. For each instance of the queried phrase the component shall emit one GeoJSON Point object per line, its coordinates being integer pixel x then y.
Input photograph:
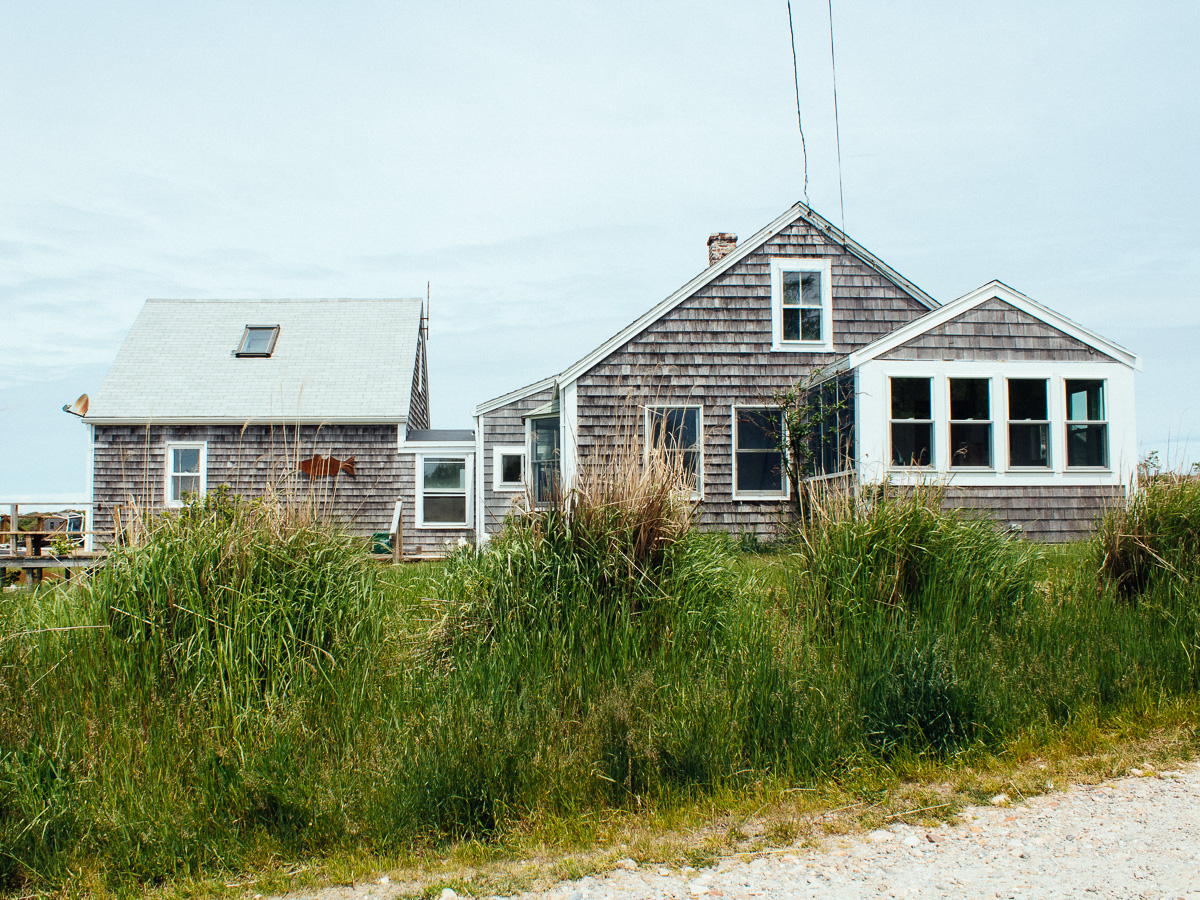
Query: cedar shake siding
{"type": "Point", "coordinates": [418, 404]}
{"type": "Point", "coordinates": [1050, 513]}
{"type": "Point", "coordinates": [714, 350]}
{"type": "Point", "coordinates": [996, 330]}
{"type": "Point", "coordinates": [129, 467]}
{"type": "Point", "coordinates": [503, 427]}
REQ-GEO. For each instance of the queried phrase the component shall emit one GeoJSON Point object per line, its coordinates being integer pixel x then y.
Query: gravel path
{"type": "Point", "coordinates": [1132, 837]}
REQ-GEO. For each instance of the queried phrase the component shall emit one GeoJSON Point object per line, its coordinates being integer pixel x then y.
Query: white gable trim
{"type": "Point", "coordinates": [505, 399]}
{"type": "Point", "coordinates": [797, 212]}
{"type": "Point", "coordinates": [992, 290]}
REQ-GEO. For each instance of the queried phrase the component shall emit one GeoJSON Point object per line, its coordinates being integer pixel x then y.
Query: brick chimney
{"type": "Point", "coordinates": [720, 245]}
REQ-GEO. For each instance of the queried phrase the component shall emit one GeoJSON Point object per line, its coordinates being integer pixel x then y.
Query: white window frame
{"type": "Point", "coordinates": [698, 493]}
{"type": "Point", "coordinates": [990, 422]}
{"type": "Point", "coordinates": [1049, 382]}
{"type": "Point", "coordinates": [419, 489]}
{"type": "Point", "coordinates": [783, 494]}
{"type": "Point", "coordinates": [1068, 422]}
{"type": "Point", "coordinates": [170, 473]}
{"type": "Point", "coordinates": [785, 265]}
{"type": "Point", "coordinates": [498, 452]}
{"type": "Point", "coordinates": [243, 353]}
{"type": "Point", "coordinates": [934, 462]}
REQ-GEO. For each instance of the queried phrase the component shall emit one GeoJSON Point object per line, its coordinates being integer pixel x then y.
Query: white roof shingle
{"type": "Point", "coordinates": [334, 361]}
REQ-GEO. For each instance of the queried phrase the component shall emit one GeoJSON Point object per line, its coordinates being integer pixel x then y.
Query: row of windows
{"type": "Point", "coordinates": [971, 426]}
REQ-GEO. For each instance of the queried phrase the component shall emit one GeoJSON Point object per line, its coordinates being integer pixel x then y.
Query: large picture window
{"type": "Point", "coordinates": [186, 471]}
{"type": "Point", "coordinates": [912, 422]}
{"type": "Point", "coordinates": [801, 305]}
{"type": "Point", "coordinates": [757, 455]}
{"type": "Point", "coordinates": [677, 430]}
{"type": "Point", "coordinates": [443, 500]}
{"type": "Point", "coordinates": [1087, 426]}
{"type": "Point", "coordinates": [1028, 423]}
{"type": "Point", "coordinates": [970, 422]}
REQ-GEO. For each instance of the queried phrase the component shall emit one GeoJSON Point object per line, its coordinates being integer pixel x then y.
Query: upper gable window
{"type": "Point", "coordinates": [258, 340]}
{"type": "Point", "coordinates": [802, 305]}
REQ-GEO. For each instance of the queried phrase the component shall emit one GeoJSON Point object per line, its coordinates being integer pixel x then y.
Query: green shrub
{"type": "Point", "coordinates": [1152, 536]}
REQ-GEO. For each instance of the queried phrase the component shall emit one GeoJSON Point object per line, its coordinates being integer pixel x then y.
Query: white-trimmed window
{"type": "Point", "coordinates": [443, 498]}
{"type": "Point", "coordinates": [679, 430]}
{"type": "Point", "coordinates": [911, 421]}
{"type": "Point", "coordinates": [971, 423]}
{"type": "Point", "coordinates": [802, 305]}
{"type": "Point", "coordinates": [187, 471]}
{"type": "Point", "coordinates": [508, 468]}
{"type": "Point", "coordinates": [1028, 423]}
{"type": "Point", "coordinates": [1087, 425]}
{"type": "Point", "coordinates": [758, 469]}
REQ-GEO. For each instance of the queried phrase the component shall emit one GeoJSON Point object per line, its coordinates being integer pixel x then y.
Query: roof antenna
{"type": "Point", "coordinates": [837, 131]}
{"type": "Point", "coordinates": [800, 124]}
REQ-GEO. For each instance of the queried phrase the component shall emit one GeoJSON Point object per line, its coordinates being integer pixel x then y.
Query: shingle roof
{"type": "Point", "coordinates": [334, 360]}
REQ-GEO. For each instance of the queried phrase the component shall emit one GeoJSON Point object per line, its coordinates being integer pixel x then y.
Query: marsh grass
{"type": "Point", "coordinates": [242, 688]}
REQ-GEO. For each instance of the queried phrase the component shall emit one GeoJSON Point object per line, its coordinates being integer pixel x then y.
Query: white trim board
{"type": "Point", "coordinates": [505, 399]}
{"type": "Point", "coordinates": [999, 291]}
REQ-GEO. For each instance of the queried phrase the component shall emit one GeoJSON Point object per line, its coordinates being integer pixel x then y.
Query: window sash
{"type": "Point", "coordinates": [1087, 436]}
{"type": "Point", "coordinates": [678, 430]}
{"type": "Point", "coordinates": [911, 435]}
{"type": "Point", "coordinates": [443, 501]}
{"type": "Point", "coordinates": [185, 469]}
{"type": "Point", "coordinates": [759, 467]}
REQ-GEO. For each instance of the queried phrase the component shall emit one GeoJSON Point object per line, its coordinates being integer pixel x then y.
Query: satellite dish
{"type": "Point", "coordinates": [79, 407]}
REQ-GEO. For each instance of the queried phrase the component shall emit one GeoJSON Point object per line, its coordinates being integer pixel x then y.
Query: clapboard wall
{"type": "Point", "coordinates": [714, 350]}
{"type": "Point", "coordinates": [129, 468]}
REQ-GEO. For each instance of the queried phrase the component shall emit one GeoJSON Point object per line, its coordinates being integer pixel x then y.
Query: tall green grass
{"type": "Point", "coordinates": [243, 685]}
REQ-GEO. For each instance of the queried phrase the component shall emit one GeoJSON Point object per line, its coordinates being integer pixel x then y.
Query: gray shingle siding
{"type": "Point", "coordinates": [503, 427]}
{"type": "Point", "coordinates": [1051, 513]}
{"type": "Point", "coordinates": [714, 349]}
{"type": "Point", "coordinates": [996, 330]}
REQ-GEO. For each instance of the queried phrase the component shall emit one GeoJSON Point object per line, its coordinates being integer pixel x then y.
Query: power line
{"type": "Point", "coordinates": [799, 123]}
{"type": "Point", "coordinates": [837, 131]}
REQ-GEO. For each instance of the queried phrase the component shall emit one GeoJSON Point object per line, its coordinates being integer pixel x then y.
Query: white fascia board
{"type": "Point", "coordinates": [240, 421]}
{"type": "Point", "coordinates": [1001, 291]}
{"type": "Point", "coordinates": [754, 243]}
{"type": "Point", "coordinates": [455, 447]}
{"type": "Point", "coordinates": [505, 399]}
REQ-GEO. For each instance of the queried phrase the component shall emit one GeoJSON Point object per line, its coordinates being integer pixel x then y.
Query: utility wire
{"type": "Point", "coordinates": [837, 131]}
{"type": "Point", "coordinates": [799, 123]}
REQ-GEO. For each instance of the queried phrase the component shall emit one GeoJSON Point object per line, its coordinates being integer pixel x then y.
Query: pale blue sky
{"type": "Point", "coordinates": [554, 169]}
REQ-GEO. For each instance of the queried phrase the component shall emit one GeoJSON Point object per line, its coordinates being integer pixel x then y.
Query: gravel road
{"type": "Point", "coordinates": [1133, 837]}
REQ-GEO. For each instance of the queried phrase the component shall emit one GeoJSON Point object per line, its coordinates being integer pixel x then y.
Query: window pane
{"type": "Point", "coordinates": [810, 324]}
{"type": "Point", "coordinates": [791, 324]}
{"type": "Point", "coordinates": [912, 444]}
{"type": "Point", "coordinates": [445, 475]}
{"type": "Point", "coordinates": [448, 509]}
{"type": "Point", "coordinates": [186, 460]}
{"type": "Point", "coordinates": [970, 445]}
{"type": "Point", "coordinates": [258, 340]}
{"type": "Point", "coordinates": [545, 439]}
{"type": "Point", "coordinates": [791, 288]}
{"type": "Point", "coordinates": [511, 465]}
{"type": "Point", "coordinates": [910, 398]}
{"type": "Point", "coordinates": [545, 480]}
{"type": "Point", "coordinates": [1087, 445]}
{"type": "Point", "coordinates": [675, 428]}
{"type": "Point", "coordinates": [760, 471]}
{"type": "Point", "coordinates": [969, 398]}
{"type": "Point", "coordinates": [1029, 445]}
{"type": "Point", "coordinates": [758, 429]}
{"type": "Point", "coordinates": [1027, 398]}
{"type": "Point", "coordinates": [1085, 400]}
{"type": "Point", "coordinates": [184, 484]}
{"type": "Point", "coordinates": [810, 288]}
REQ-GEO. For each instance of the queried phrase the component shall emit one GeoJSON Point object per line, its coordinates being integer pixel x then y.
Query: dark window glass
{"type": "Point", "coordinates": [545, 459]}
{"type": "Point", "coordinates": [511, 465]}
{"type": "Point", "coordinates": [969, 399]}
{"type": "Point", "coordinates": [1087, 445]}
{"type": "Point", "coordinates": [445, 475]}
{"type": "Point", "coordinates": [810, 288]}
{"type": "Point", "coordinates": [831, 440]}
{"type": "Point", "coordinates": [791, 288]}
{"type": "Point", "coordinates": [1028, 445]}
{"type": "Point", "coordinates": [1027, 399]}
{"type": "Point", "coordinates": [910, 398]}
{"type": "Point", "coordinates": [677, 430]}
{"type": "Point", "coordinates": [791, 324]}
{"type": "Point", "coordinates": [1085, 401]}
{"type": "Point", "coordinates": [912, 443]}
{"type": "Point", "coordinates": [446, 508]}
{"type": "Point", "coordinates": [810, 324]}
{"type": "Point", "coordinates": [970, 444]}
{"type": "Point", "coordinates": [759, 458]}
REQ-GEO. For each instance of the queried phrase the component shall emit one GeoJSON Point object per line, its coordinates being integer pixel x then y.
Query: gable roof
{"type": "Point", "coordinates": [796, 212]}
{"type": "Point", "coordinates": [991, 290]}
{"type": "Point", "coordinates": [333, 361]}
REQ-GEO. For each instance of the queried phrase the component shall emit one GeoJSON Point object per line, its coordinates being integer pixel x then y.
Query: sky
{"type": "Point", "coordinates": [552, 169]}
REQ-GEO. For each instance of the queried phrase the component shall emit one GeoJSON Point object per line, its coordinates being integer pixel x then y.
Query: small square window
{"type": "Point", "coordinates": [508, 468]}
{"type": "Point", "coordinates": [258, 341]}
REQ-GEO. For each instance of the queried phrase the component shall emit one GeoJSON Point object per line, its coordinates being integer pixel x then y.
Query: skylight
{"type": "Point", "coordinates": [258, 340]}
